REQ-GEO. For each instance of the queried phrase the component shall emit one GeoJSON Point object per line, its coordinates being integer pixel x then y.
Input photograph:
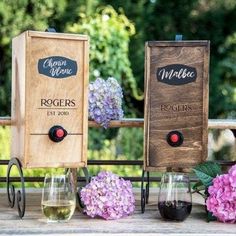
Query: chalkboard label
{"type": "Point", "coordinates": [57, 67]}
{"type": "Point", "coordinates": [176, 74]}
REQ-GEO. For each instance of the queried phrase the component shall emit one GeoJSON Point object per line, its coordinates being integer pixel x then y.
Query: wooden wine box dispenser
{"type": "Point", "coordinates": [176, 104]}
{"type": "Point", "coordinates": [49, 99]}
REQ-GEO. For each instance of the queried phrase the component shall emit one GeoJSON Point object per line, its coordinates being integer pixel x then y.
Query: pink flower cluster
{"type": "Point", "coordinates": [222, 197]}
{"type": "Point", "coordinates": [108, 196]}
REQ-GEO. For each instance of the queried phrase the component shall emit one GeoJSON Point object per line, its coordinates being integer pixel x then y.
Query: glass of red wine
{"type": "Point", "coordinates": [175, 199]}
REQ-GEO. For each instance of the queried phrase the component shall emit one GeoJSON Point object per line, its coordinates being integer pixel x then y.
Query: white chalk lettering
{"type": "Point", "coordinates": [57, 67]}
{"type": "Point", "coordinates": [52, 63]}
{"type": "Point", "coordinates": [179, 74]}
{"type": "Point", "coordinates": [59, 71]}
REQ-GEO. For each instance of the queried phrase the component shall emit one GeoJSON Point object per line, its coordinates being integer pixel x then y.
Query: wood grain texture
{"type": "Point", "coordinates": [205, 94]}
{"type": "Point", "coordinates": [221, 124]}
{"type": "Point", "coordinates": [146, 106]}
{"type": "Point", "coordinates": [85, 83]}
{"type": "Point", "coordinates": [34, 119]}
{"type": "Point", "coordinates": [184, 43]}
{"type": "Point", "coordinates": [176, 107]}
{"type": "Point", "coordinates": [149, 223]}
{"type": "Point", "coordinates": [18, 97]}
{"type": "Point", "coordinates": [126, 122]}
{"type": "Point", "coordinates": [5, 121]}
{"type": "Point", "coordinates": [139, 122]}
{"type": "Point", "coordinates": [55, 35]}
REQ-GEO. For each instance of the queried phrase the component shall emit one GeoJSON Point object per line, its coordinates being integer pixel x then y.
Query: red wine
{"type": "Point", "coordinates": [176, 210]}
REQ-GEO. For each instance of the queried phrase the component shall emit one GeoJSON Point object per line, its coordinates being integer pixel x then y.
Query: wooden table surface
{"type": "Point", "coordinates": [150, 222]}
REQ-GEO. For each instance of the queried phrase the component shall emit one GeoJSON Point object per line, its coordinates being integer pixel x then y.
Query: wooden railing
{"type": "Point", "coordinates": [138, 122]}
{"type": "Point", "coordinates": [128, 123]}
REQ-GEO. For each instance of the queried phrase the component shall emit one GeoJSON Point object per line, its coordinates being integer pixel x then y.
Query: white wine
{"type": "Point", "coordinates": [58, 210]}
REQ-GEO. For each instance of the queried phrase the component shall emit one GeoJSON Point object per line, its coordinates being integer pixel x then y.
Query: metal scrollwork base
{"type": "Point", "coordinates": [144, 191]}
{"type": "Point", "coordinates": [18, 197]}
{"type": "Point", "coordinates": [82, 184]}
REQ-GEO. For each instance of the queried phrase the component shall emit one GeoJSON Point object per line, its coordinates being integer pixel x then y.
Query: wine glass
{"type": "Point", "coordinates": [58, 198]}
{"type": "Point", "coordinates": [175, 199]}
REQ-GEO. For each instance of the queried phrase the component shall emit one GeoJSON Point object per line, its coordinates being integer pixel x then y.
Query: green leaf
{"type": "Point", "coordinates": [207, 171]}
{"type": "Point", "coordinates": [197, 185]}
{"type": "Point", "coordinates": [205, 178]}
{"type": "Point", "coordinates": [210, 217]}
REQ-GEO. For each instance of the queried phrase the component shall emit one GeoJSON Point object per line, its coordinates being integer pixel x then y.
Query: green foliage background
{"type": "Point", "coordinates": [118, 30]}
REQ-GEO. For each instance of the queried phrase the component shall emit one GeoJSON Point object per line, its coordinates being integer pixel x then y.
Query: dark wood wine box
{"type": "Point", "coordinates": [176, 104]}
{"type": "Point", "coordinates": [49, 99]}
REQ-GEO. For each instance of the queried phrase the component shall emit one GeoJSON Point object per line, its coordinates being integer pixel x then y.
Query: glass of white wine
{"type": "Point", "coordinates": [58, 198]}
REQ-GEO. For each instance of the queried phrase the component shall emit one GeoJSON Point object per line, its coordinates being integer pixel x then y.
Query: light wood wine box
{"type": "Point", "coordinates": [176, 104]}
{"type": "Point", "coordinates": [49, 99]}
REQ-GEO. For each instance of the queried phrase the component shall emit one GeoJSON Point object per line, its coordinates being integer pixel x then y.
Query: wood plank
{"type": "Point", "coordinates": [205, 97]}
{"type": "Point", "coordinates": [128, 122]}
{"type": "Point", "coordinates": [50, 89]}
{"type": "Point", "coordinates": [181, 43]}
{"type": "Point", "coordinates": [222, 124]}
{"type": "Point", "coordinates": [18, 97]}
{"type": "Point", "coordinates": [85, 84]}
{"type": "Point", "coordinates": [176, 102]}
{"type": "Point", "coordinates": [56, 35]}
{"type": "Point", "coordinates": [146, 106]}
{"type": "Point", "coordinates": [138, 122]}
{"type": "Point", "coordinates": [149, 222]}
{"type": "Point", "coordinates": [6, 121]}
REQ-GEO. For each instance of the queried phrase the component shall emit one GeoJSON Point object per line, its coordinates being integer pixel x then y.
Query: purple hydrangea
{"type": "Point", "coordinates": [105, 101]}
{"type": "Point", "coordinates": [108, 196]}
{"type": "Point", "coordinates": [222, 197]}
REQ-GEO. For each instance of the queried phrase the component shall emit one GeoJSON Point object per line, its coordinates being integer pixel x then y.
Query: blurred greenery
{"type": "Point", "coordinates": [118, 30]}
{"type": "Point", "coordinates": [109, 34]}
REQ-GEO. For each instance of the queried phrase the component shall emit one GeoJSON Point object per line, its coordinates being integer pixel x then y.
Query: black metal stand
{"type": "Point", "coordinates": [82, 184]}
{"type": "Point", "coordinates": [19, 197]}
{"type": "Point", "coordinates": [12, 196]}
{"type": "Point", "coordinates": [144, 190]}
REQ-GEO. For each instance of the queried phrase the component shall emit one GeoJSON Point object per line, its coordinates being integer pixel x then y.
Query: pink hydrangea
{"type": "Point", "coordinates": [232, 178]}
{"type": "Point", "coordinates": [108, 196]}
{"type": "Point", "coordinates": [222, 197]}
